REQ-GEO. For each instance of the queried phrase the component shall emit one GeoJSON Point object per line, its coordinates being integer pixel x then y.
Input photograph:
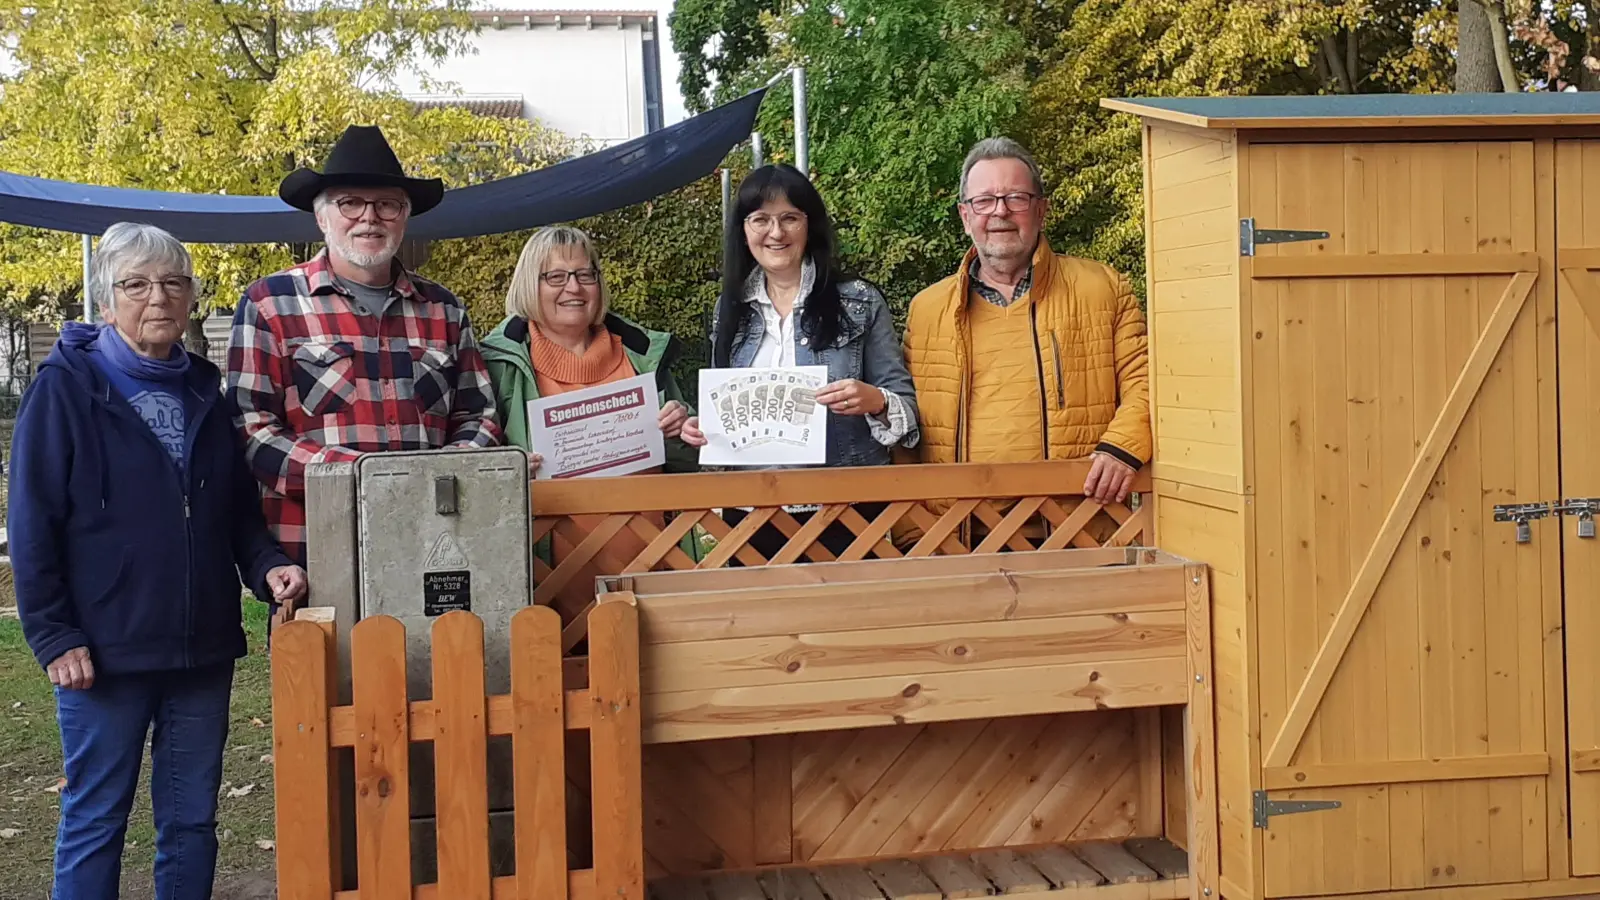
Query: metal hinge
{"type": "Point", "coordinates": [1521, 513]}
{"type": "Point", "coordinates": [1266, 809]}
{"type": "Point", "coordinates": [1585, 508]}
{"type": "Point", "coordinates": [1250, 236]}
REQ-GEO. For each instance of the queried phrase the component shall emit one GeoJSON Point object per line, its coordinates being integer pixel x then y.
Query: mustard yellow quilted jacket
{"type": "Point", "coordinates": [1089, 351]}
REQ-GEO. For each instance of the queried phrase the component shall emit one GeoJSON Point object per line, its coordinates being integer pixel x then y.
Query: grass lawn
{"type": "Point", "coordinates": [30, 769]}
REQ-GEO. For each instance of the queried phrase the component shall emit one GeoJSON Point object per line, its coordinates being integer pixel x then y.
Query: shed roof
{"type": "Point", "coordinates": [1367, 110]}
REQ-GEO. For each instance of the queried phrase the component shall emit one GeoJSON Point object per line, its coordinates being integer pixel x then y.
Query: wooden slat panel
{"type": "Point", "coordinates": [735, 886]}
{"type": "Point", "coordinates": [882, 809]}
{"type": "Point", "coordinates": [300, 762]}
{"type": "Point", "coordinates": [902, 879]}
{"type": "Point", "coordinates": [791, 884]}
{"type": "Point", "coordinates": [460, 755]}
{"type": "Point", "coordinates": [616, 780]}
{"type": "Point", "coordinates": [1116, 864]}
{"type": "Point", "coordinates": [1160, 855]}
{"type": "Point", "coordinates": [1010, 872]}
{"type": "Point", "coordinates": [539, 753]}
{"type": "Point", "coordinates": [911, 601]}
{"type": "Point", "coordinates": [1063, 867]}
{"type": "Point", "coordinates": [930, 697]}
{"type": "Point", "coordinates": [865, 484]}
{"type": "Point", "coordinates": [847, 883]}
{"type": "Point", "coordinates": [957, 877]}
{"type": "Point", "coordinates": [869, 573]}
{"type": "Point", "coordinates": [772, 790]}
{"type": "Point", "coordinates": [831, 656]}
{"type": "Point", "coordinates": [382, 755]}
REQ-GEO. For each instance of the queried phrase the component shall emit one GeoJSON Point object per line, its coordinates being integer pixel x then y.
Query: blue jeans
{"type": "Point", "coordinates": [102, 738]}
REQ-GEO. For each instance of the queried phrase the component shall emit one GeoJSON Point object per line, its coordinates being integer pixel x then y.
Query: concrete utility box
{"type": "Point", "coordinates": [414, 536]}
{"type": "Point", "coordinates": [442, 530]}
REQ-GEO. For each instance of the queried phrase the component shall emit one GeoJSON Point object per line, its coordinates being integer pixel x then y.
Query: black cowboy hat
{"type": "Point", "coordinates": [361, 158]}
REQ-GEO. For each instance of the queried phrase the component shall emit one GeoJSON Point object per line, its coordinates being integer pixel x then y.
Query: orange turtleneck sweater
{"type": "Point", "coordinates": [557, 369]}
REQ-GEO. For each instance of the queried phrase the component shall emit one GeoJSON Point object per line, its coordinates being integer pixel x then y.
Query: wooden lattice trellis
{"type": "Point", "coordinates": [619, 526]}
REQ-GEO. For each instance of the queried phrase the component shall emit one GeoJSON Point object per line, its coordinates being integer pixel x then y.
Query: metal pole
{"type": "Point", "coordinates": [727, 196]}
{"type": "Point", "coordinates": [88, 254]}
{"type": "Point", "coordinates": [755, 149]}
{"type": "Point", "coordinates": [802, 156]}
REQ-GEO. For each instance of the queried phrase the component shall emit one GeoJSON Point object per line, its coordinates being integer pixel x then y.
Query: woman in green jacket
{"type": "Point", "coordinates": [558, 335]}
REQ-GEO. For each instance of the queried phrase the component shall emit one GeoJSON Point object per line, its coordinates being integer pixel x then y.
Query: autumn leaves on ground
{"type": "Point", "coordinates": [30, 777]}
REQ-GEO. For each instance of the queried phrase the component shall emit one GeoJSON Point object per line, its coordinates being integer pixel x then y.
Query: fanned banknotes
{"type": "Point", "coordinates": [763, 417]}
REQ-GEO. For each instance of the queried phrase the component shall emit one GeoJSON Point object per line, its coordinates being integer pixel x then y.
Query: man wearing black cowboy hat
{"type": "Point", "coordinates": [350, 352]}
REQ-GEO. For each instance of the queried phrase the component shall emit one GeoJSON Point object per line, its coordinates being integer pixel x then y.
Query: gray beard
{"type": "Point", "coordinates": [363, 260]}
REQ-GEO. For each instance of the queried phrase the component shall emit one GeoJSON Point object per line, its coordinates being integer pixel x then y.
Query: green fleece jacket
{"type": "Point", "coordinates": [505, 351]}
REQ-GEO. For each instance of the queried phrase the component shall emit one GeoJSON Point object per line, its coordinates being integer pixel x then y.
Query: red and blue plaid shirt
{"type": "Point", "coordinates": [316, 377]}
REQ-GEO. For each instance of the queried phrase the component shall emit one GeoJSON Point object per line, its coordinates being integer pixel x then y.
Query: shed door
{"type": "Point", "coordinates": [1400, 628]}
{"type": "Point", "coordinates": [1578, 315]}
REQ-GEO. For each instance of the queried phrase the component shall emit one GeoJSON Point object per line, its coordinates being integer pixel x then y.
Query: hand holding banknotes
{"type": "Point", "coordinates": [850, 397]}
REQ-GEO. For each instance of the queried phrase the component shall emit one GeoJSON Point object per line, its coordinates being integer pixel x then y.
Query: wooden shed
{"type": "Point", "coordinates": [1375, 372]}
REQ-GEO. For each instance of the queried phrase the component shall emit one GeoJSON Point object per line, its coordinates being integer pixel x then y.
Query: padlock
{"type": "Point", "coordinates": [1524, 533]}
{"type": "Point", "coordinates": [1586, 526]}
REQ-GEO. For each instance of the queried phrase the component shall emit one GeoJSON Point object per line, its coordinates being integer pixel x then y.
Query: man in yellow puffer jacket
{"type": "Point", "coordinates": [1024, 354]}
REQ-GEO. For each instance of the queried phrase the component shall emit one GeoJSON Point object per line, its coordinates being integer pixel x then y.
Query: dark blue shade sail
{"type": "Point", "coordinates": [629, 173]}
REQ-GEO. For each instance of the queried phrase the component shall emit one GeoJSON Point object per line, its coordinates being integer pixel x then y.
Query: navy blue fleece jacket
{"type": "Point", "coordinates": [114, 545]}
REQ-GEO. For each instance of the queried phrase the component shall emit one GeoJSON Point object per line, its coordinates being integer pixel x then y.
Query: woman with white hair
{"type": "Point", "coordinates": [132, 521]}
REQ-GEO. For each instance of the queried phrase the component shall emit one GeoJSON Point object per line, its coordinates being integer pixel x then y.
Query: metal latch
{"type": "Point", "coordinates": [1266, 809]}
{"type": "Point", "coordinates": [1584, 508]}
{"type": "Point", "coordinates": [1250, 236]}
{"type": "Point", "coordinates": [1521, 513]}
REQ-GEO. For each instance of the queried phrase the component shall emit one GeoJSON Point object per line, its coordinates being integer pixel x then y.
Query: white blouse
{"type": "Point", "coordinates": [777, 349]}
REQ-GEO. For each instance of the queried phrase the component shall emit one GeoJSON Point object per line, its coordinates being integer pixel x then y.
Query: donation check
{"type": "Point", "coordinates": [763, 417]}
{"type": "Point", "coordinates": [605, 430]}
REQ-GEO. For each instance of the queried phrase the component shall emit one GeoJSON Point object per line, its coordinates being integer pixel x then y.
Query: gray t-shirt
{"type": "Point", "coordinates": [369, 300]}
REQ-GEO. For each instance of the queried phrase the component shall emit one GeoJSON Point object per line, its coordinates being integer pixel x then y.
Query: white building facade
{"type": "Point", "coordinates": [592, 74]}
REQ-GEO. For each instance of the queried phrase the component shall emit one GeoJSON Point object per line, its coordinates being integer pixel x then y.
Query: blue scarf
{"type": "Point", "coordinates": [155, 388]}
{"type": "Point", "coordinates": [141, 368]}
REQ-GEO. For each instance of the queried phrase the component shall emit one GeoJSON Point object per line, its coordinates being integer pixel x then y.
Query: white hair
{"type": "Point", "coordinates": [128, 245]}
{"type": "Point", "coordinates": [1000, 148]}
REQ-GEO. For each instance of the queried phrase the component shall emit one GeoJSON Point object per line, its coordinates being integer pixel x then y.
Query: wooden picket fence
{"type": "Point", "coordinates": [382, 722]}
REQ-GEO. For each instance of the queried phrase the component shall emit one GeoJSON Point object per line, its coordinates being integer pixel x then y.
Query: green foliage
{"type": "Point", "coordinates": [898, 91]}
{"type": "Point", "coordinates": [717, 41]}
{"type": "Point", "coordinates": [223, 97]}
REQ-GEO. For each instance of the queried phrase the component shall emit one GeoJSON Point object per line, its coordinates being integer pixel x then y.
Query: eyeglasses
{"type": "Point", "coordinates": [355, 207]}
{"type": "Point", "coordinates": [138, 288]}
{"type": "Point", "coordinates": [558, 278]}
{"type": "Point", "coordinates": [760, 221]}
{"type": "Point", "coordinates": [987, 204]}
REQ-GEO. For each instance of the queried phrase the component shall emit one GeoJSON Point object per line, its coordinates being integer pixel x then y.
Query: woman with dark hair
{"type": "Point", "coordinates": [785, 303]}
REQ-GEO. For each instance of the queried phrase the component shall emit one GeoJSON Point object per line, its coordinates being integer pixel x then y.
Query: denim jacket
{"type": "Point", "coordinates": [867, 349]}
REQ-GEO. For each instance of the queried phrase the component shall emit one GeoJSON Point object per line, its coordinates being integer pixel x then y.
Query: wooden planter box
{"type": "Point", "coordinates": [981, 716]}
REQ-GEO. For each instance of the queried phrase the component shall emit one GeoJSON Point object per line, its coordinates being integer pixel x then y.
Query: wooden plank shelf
{"type": "Point", "coordinates": [1134, 869]}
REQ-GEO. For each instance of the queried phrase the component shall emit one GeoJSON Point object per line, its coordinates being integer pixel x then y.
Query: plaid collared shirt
{"type": "Point", "coordinates": [318, 377]}
{"type": "Point", "coordinates": [992, 295]}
